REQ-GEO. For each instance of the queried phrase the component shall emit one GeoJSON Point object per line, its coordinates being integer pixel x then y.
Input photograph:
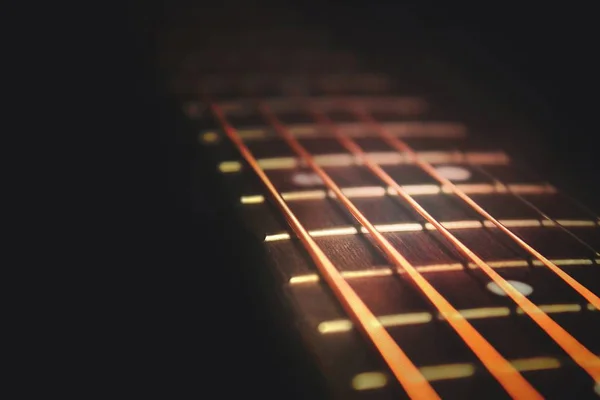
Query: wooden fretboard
{"type": "Point", "coordinates": [287, 94]}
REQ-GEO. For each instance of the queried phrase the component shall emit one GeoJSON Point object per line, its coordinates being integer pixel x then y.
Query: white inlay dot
{"type": "Point", "coordinates": [523, 288]}
{"type": "Point", "coordinates": [454, 173]}
{"type": "Point", "coordinates": [306, 179]}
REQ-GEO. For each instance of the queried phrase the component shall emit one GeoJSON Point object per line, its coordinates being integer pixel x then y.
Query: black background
{"type": "Point", "coordinates": [534, 64]}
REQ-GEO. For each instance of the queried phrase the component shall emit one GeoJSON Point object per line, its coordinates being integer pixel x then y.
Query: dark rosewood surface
{"type": "Point", "coordinates": [557, 226]}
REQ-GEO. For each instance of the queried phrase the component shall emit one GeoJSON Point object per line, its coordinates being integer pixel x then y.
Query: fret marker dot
{"type": "Point", "coordinates": [523, 288]}
{"type": "Point", "coordinates": [454, 173]}
{"type": "Point", "coordinates": [306, 179]}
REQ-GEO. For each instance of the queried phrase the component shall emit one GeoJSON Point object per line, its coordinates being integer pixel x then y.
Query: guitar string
{"type": "Point", "coordinates": [508, 377]}
{"type": "Point", "coordinates": [536, 208]}
{"type": "Point", "coordinates": [407, 374]}
{"type": "Point", "coordinates": [402, 147]}
{"type": "Point", "coordinates": [589, 361]}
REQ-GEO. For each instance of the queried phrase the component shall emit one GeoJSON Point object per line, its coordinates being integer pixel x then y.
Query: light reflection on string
{"type": "Point", "coordinates": [508, 377]}
{"type": "Point", "coordinates": [404, 370]}
{"type": "Point", "coordinates": [580, 354]}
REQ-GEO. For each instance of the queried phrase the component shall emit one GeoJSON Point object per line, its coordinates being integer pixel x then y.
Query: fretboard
{"type": "Point", "coordinates": [527, 231]}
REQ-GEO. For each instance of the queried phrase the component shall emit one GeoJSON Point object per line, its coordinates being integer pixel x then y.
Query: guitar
{"type": "Point", "coordinates": [413, 256]}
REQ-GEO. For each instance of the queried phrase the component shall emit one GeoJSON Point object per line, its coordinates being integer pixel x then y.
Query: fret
{"type": "Point", "coordinates": [465, 381]}
{"type": "Point", "coordinates": [402, 367]}
{"type": "Point", "coordinates": [426, 339]}
{"type": "Point", "coordinates": [433, 343]}
{"type": "Point", "coordinates": [382, 158]}
{"type": "Point", "coordinates": [560, 210]}
{"type": "Point", "coordinates": [523, 338]}
{"type": "Point", "coordinates": [582, 270]}
{"type": "Point", "coordinates": [307, 187]}
{"type": "Point", "coordinates": [578, 352]}
{"type": "Point", "coordinates": [355, 253]}
{"type": "Point", "coordinates": [507, 207]}
{"type": "Point", "coordinates": [408, 307]}
{"type": "Point", "coordinates": [518, 336]}
{"type": "Point", "coordinates": [341, 357]}
{"type": "Point", "coordinates": [477, 168]}
{"type": "Point", "coordinates": [555, 376]}
{"type": "Point", "coordinates": [324, 218]}
{"type": "Point", "coordinates": [425, 343]}
{"type": "Point", "coordinates": [528, 340]}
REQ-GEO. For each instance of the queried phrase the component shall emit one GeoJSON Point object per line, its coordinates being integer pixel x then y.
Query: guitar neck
{"type": "Point", "coordinates": [392, 223]}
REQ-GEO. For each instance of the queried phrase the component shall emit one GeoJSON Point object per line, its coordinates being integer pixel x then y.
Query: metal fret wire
{"type": "Point", "coordinates": [536, 209]}
{"type": "Point", "coordinates": [407, 374]}
{"type": "Point", "coordinates": [401, 146]}
{"type": "Point", "coordinates": [512, 381]}
{"type": "Point", "coordinates": [580, 354]}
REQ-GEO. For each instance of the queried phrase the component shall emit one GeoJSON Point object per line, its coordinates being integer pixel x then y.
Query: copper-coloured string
{"type": "Point", "coordinates": [512, 381]}
{"type": "Point", "coordinates": [427, 167]}
{"type": "Point", "coordinates": [580, 354]}
{"type": "Point", "coordinates": [407, 374]}
{"type": "Point", "coordinates": [537, 209]}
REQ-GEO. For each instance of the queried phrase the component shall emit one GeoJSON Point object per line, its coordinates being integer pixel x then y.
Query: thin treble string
{"type": "Point", "coordinates": [508, 377]}
{"type": "Point", "coordinates": [534, 207]}
{"type": "Point", "coordinates": [407, 374]}
{"type": "Point", "coordinates": [577, 351]}
{"type": "Point", "coordinates": [427, 167]}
